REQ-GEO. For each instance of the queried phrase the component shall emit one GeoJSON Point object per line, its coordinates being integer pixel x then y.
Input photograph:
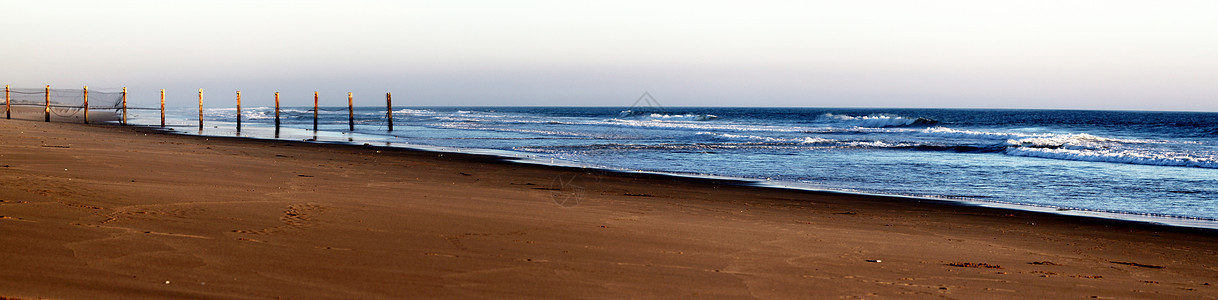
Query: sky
{"type": "Point", "coordinates": [1065, 54]}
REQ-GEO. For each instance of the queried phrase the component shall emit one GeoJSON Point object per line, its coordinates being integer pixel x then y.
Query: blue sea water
{"type": "Point", "coordinates": [1161, 164]}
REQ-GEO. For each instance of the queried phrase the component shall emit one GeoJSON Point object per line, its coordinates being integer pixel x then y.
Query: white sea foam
{"type": "Point", "coordinates": [697, 125]}
{"type": "Point", "coordinates": [684, 117]}
{"type": "Point", "coordinates": [663, 116]}
{"type": "Point", "coordinates": [251, 113]}
{"type": "Point", "coordinates": [804, 140]}
{"type": "Point", "coordinates": [940, 131]}
{"type": "Point", "coordinates": [812, 140]}
{"type": "Point", "coordinates": [1081, 140]}
{"type": "Point", "coordinates": [540, 121]}
{"type": "Point", "coordinates": [1087, 147]}
{"type": "Point", "coordinates": [877, 121]}
{"type": "Point", "coordinates": [469, 126]}
{"type": "Point", "coordinates": [257, 115]}
{"type": "Point", "coordinates": [816, 140]}
{"type": "Point", "coordinates": [1139, 157]}
{"type": "Point", "coordinates": [460, 119]}
{"type": "Point", "coordinates": [417, 112]}
{"type": "Point", "coordinates": [485, 115]}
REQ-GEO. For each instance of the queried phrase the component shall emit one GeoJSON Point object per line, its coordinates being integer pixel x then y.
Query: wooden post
{"type": "Point", "coordinates": [200, 109]}
{"type": "Point", "coordinates": [86, 104]}
{"type": "Point", "coordinates": [238, 111]}
{"type": "Point", "coordinates": [47, 99]}
{"type": "Point", "coordinates": [351, 111]}
{"type": "Point", "coordinates": [7, 108]}
{"type": "Point", "coordinates": [276, 109]}
{"type": "Point", "coordinates": [162, 107]}
{"type": "Point", "coordinates": [314, 111]}
{"type": "Point", "coordinates": [124, 105]}
{"type": "Point", "coordinates": [389, 109]}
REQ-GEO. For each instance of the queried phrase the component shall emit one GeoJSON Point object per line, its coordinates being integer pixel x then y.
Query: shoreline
{"type": "Point", "coordinates": [103, 211]}
{"type": "Point", "coordinates": [1154, 219]}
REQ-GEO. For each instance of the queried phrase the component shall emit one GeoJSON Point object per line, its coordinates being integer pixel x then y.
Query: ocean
{"type": "Point", "coordinates": [1147, 166]}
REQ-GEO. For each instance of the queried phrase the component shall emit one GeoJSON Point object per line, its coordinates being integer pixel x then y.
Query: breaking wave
{"type": "Point", "coordinates": [643, 115]}
{"type": "Point", "coordinates": [1120, 156]}
{"type": "Point", "coordinates": [804, 140]}
{"type": "Point", "coordinates": [1071, 147]}
{"type": "Point", "coordinates": [878, 121]}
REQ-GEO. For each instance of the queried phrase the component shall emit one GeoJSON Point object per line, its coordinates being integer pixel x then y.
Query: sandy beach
{"type": "Point", "coordinates": [110, 212]}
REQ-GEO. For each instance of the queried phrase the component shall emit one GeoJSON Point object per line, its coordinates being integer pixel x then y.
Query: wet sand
{"type": "Point", "coordinates": [109, 212]}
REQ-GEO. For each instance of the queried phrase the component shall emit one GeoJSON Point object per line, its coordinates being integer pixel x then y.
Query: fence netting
{"type": "Point", "coordinates": [63, 105]}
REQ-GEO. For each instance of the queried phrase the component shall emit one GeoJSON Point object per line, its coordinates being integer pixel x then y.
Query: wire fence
{"type": "Point", "coordinates": [63, 105]}
{"type": "Point", "coordinates": [100, 106]}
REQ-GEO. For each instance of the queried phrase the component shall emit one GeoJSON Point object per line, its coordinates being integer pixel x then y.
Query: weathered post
{"type": "Point", "coordinates": [200, 109]}
{"type": "Point", "coordinates": [276, 110]}
{"type": "Point", "coordinates": [124, 105]}
{"type": "Point", "coordinates": [86, 104]}
{"type": "Point", "coordinates": [238, 111]}
{"type": "Point", "coordinates": [389, 109]}
{"type": "Point", "coordinates": [7, 108]}
{"type": "Point", "coordinates": [314, 111]}
{"type": "Point", "coordinates": [351, 111]}
{"type": "Point", "coordinates": [46, 96]}
{"type": "Point", "coordinates": [162, 107]}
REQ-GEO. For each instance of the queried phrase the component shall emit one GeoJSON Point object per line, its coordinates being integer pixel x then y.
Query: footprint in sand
{"type": "Point", "coordinates": [299, 214]}
{"type": "Point", "coordinates": [294, 216]}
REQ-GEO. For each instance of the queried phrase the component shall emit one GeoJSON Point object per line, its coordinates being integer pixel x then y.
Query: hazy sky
{"type": "Point", "coordinates": [1156, 55]}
